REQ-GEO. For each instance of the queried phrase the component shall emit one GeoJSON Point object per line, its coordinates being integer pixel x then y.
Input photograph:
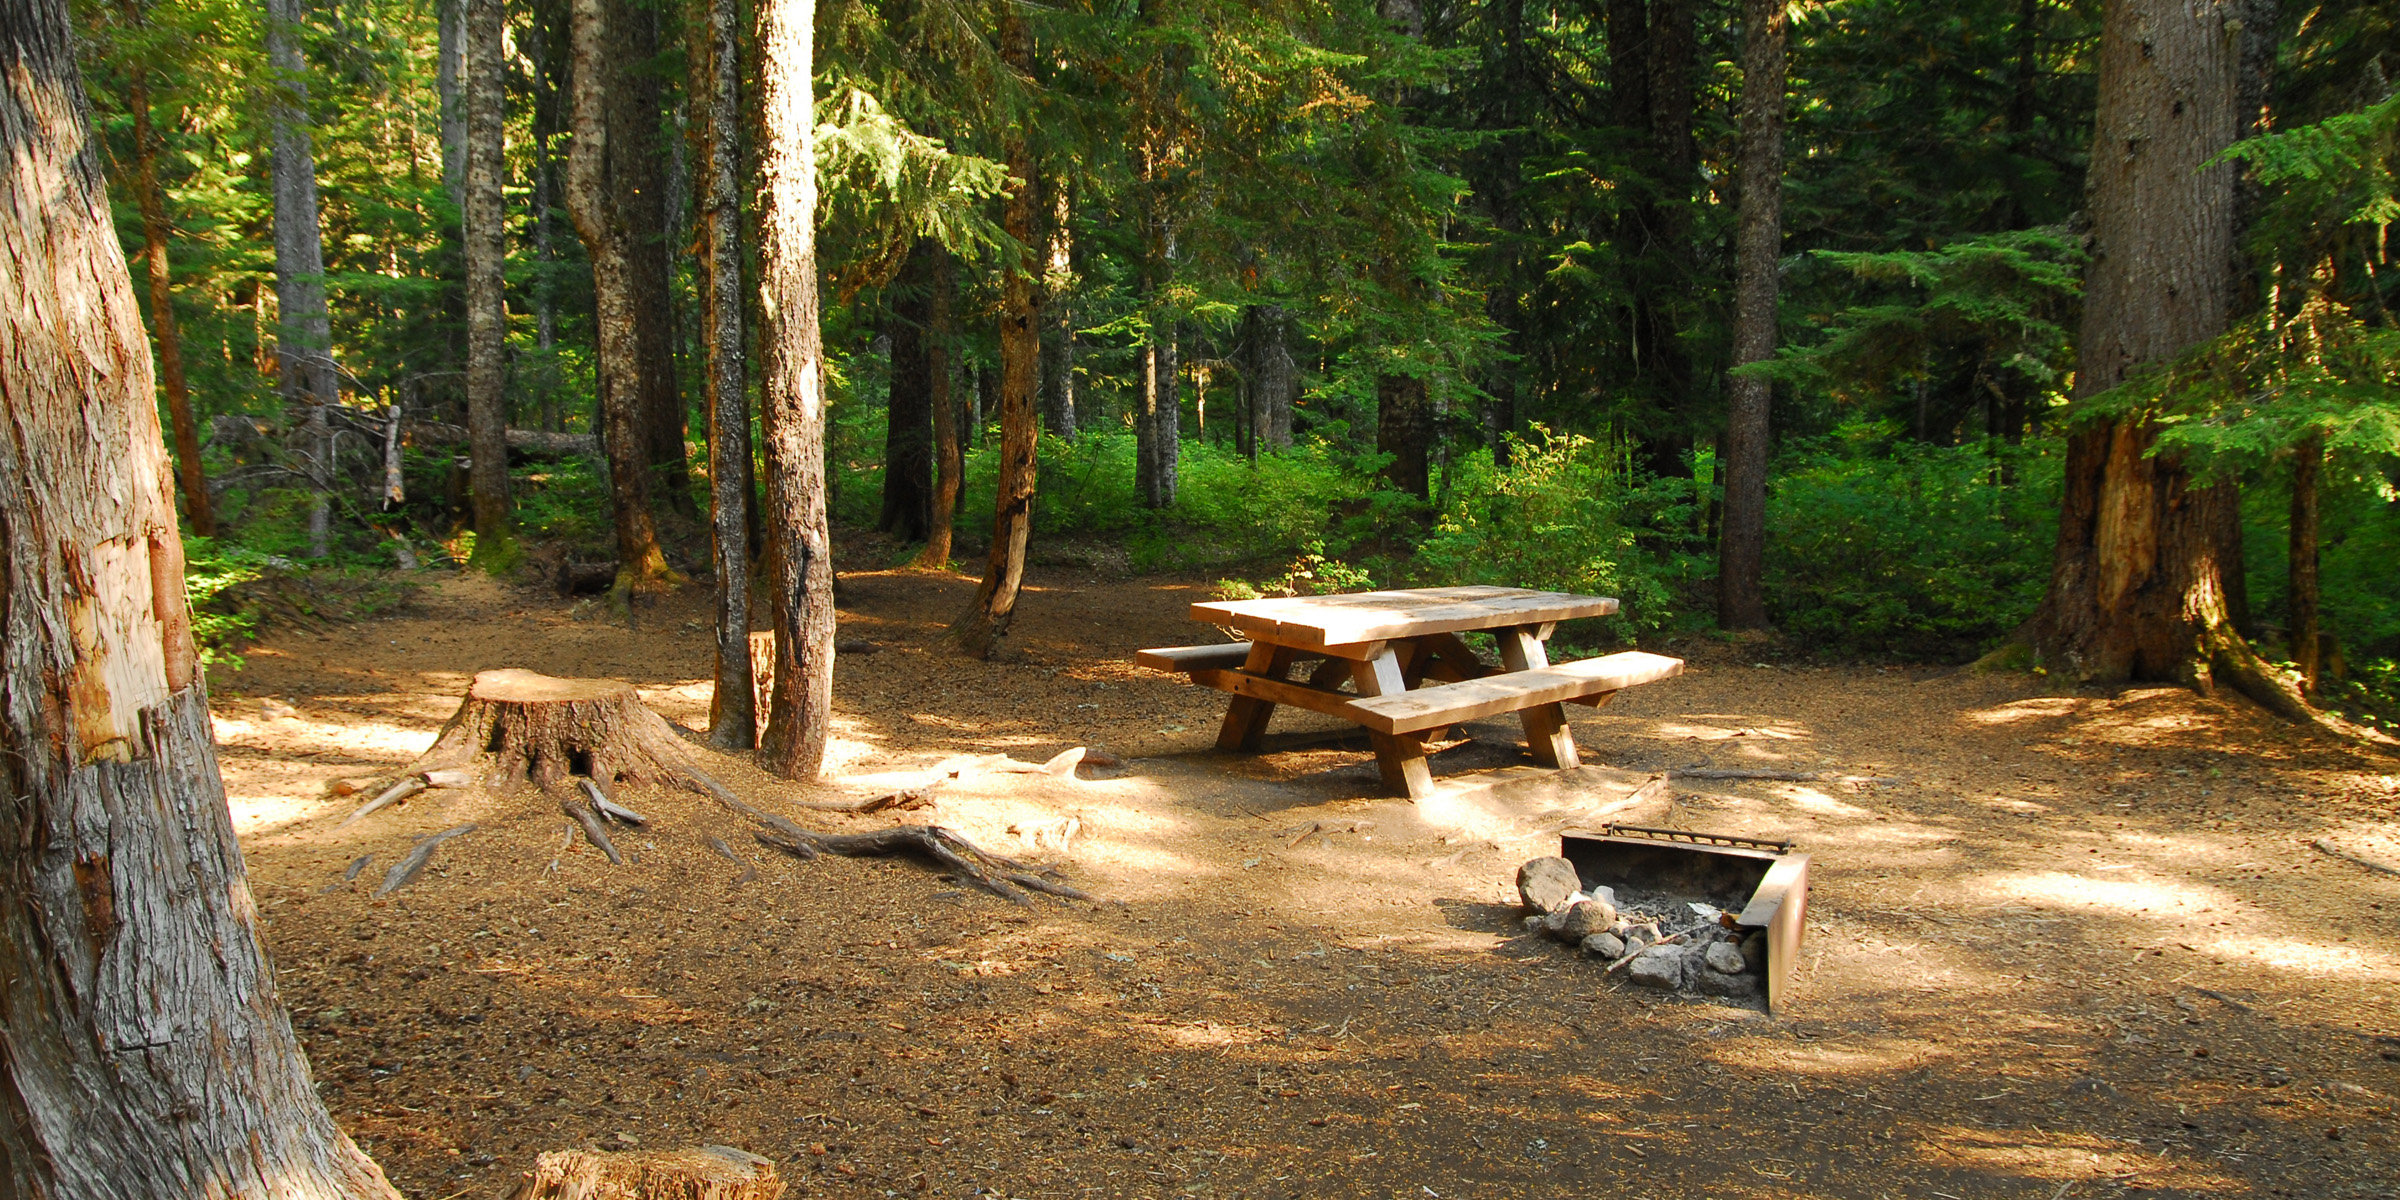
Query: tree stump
{"type": "Point", "coordinates": [544, 731]}
{"type": "Point", "coordinates": [709, 1173]}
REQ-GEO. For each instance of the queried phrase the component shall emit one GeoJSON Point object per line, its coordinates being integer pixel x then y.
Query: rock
{"type": "Point", "coordinates": [1621, 927]}
{"type": "Point", "coordinates": [1657, 967]}
{"type": "Point", "coordinates": [1545, 883]}
{"type": "Point", "coordinates": [1536, 923]}
{"type": "Point", "coordinates": [1577, 922]}
{"type": "Point", "coordinates": [1702, 977]}
{"type": "Point", "coordinates": [1604, 945]}
{"type": "Point", "coordinates": [1754, 950]}
{"type": "Point", "coordinates": [1722, 957]}
{"type": "Point", "coordinates": [1601, 894]}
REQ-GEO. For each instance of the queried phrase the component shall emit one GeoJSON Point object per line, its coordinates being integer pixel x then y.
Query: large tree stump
{"type": "Point", "coordinates": [542, 730]}
{"type": "Point", "coordinates": [709, 1173]}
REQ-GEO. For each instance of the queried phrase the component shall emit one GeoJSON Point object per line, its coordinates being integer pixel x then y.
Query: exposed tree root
{"type": "Point", "coordinates": [2225, 656]}
{"type": "Point", "coordinates": [577, 740]}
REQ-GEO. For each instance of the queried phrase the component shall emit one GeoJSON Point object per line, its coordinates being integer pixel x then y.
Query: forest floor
{"type": "Point", "coordinates": [2059, 945]}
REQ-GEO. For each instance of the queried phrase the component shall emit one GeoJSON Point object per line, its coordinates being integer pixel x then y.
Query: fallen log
{"type": "Point", "coordinates": [524, 441]}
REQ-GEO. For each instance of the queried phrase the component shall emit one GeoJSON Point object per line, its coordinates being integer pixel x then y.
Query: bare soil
{"type": "Point", "coordinates": [2059, 945]}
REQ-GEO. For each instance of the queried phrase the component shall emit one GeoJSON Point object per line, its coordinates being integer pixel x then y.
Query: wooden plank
{"type": "Point", "coordinates": [1324, 621]}
{"type": "Point", "coordinates": [1399, 756]}
{"type": "Point", "coordinates": [1246, 718]}
{"type": "Point", "coordinates": [1451, 703]}
{"type": "Point", "coordinates": [1193, 658]}
{"type": "Point", "coordinates": [1547, 737]}
{"type": "Point", "coordinates": [1280, 692]}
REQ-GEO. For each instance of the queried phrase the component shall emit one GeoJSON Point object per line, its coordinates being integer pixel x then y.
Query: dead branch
{"type": "Point", "coordinates": [2369, 863]}
{"type": "Point", "coordinates": [405, 872]}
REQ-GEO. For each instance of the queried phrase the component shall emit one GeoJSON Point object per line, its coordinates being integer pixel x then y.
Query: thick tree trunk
{"type": "Point", "coordinates": [640, 563]}
{"type": "Point", "coordinates": [304, 335]}
{"type": "Point", "coordinates": [941, 374]}
{"type": "Point", "coordinates": [155, 233]}
{"type": "Point", "coordinates": [733, 713]}
{"type": "Point", "coordinates": [1742, 539]}
{"type": "Point", "coordinates": [2308, 459]}
{"type": "Point", "coordinates": [1273, 377]}
{"type": "Point", "coordinates": [638, 187]}
{"type": "Point", "coordinates": [801, 546]}
{"type": "Point", "coordinates": [1404, 430]}
{"type": "Point", "coordinates": [146, 1052]}
{"type": "Point", "coordinates": [1158, 427]}
{"type": "Point", "coordinates": [2137, 589]}
{"type": "Point", "coordinates": [1629, 63]}
{"type": "Point", "coordinates": [486, 233]}
{"type": "Point", "coordinates": [908, 451]}
{"type": "Point", "coordinates": [981, 630]}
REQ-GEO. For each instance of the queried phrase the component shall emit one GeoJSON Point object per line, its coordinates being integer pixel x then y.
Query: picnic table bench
{"type": "Point", "coordinates": [1411, 675]}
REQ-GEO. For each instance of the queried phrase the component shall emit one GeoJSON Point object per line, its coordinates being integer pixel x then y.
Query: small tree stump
{"type": "Point", "coordinates": [543, 730]}
{"type": "Point", "coordinates": [709, 1173]}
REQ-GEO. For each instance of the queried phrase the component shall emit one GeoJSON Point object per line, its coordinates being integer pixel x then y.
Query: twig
{"type": "Point", "coordinates": [405, 872]}
{"type": "Point", "coordinates": [610, 808]}
{"type": "Point", "coordinates": [749, 872]}
{"type": "Point", "coordinates": [584, 816]}
{"type": "Point", "coordinates": [2369, 863]}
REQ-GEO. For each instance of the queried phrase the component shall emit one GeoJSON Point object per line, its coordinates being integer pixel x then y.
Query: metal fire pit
{"type": "Point", "coordinates": [1764, 883]}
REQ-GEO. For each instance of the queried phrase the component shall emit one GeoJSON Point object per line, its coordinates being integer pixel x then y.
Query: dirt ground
{"type": "Point", "coordinates": [2058, 945]}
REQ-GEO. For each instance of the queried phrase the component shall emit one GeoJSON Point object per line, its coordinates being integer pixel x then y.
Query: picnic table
{"type": "Point", "coordinates": [1410, 674]}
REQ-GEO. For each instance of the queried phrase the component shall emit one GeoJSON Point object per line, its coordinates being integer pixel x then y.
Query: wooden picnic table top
{"type": "Point", "coordinates": [1414, 612]}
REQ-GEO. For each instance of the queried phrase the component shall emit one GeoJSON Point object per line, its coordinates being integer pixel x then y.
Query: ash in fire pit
{"type": "Point", "coordinates": [1718, 916]}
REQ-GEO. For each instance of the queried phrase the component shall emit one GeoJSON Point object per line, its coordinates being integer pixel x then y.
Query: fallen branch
{"type": "Point", "coordinates": [749, 871]}
{"type": "Point", "coordinates": [2369, 863]}
{"type": "Point", "coordinates": [392, 795]}
{"type": "Point", "coordinates": [910, 798]}
{"type": "Point", "coordinates": [592, 828]}
{"type": "Point", "coordinates": [405, 872]}
{"type": "Point", "coordinates": [529, 441]}
{"type": "Point", "coordinates": [992, 872]}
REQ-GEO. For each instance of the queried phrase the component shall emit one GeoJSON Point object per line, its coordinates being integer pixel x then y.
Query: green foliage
{"type": "Point", "coordinates": [1568, 513]}
{"type": "Point", "coordinates": [211, 570]}
{"type": "Point", "coordinates": [1919, 551]}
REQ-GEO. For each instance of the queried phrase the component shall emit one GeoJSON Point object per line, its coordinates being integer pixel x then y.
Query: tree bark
{"type": "Point", "coordinates": [486, 237]}
{"type": "Point", "coordinates": [2308, 460]}
{"type": "Point", "coordinates": [638, 187]}
{"type": "Point", "coordinates": [908, 451]}
{"type": "Point", "coordinates": [733, 712]}
{"type": "Point", "coordinates": [1742, 538]}
{"type": "Point", "coordinates": [304, 335]}
{"type": "Point", "coordinates": [981, 630]}
{"type": "Point", "coordinates": [2137, 588]}
{"type": "Point", "coordinates": [1158, 427]}
{"type": "Point", "coordinates": [156, 230]}
{"type": "Point", "coordinates": [801, 546]}
{"type": "Point", "coordinates": [941, 374]}
{"type": "Point", "coordinates": [146, 1051]}
{"type": "Point", "coordinates": [640, 563]}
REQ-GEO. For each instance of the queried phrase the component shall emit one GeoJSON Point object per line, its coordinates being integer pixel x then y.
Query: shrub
{"type": "Point", "coordinates": [1569, 514]}
{"type": "Point", "coordinates": [1922, 551]}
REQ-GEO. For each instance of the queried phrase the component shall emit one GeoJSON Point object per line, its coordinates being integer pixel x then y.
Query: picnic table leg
{"type": "Point", "coordinates": [1547, 737]}
{"type": "Point", "coordinates": [1245, 726]}
{"type": "Point", "coordinates": [1401, 756]}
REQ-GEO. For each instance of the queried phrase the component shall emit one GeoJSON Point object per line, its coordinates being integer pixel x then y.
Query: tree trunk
{"type": "Point", "coordinates": [1058, 349]}
{"type": "Point", "coordinates": [155, 232]}
{"type": "Point", "coordinates": [304, 335]}
{"type": "Point", "coordinates": [710, 1173]}
{"type": "Point", "coordinates": [1661, 237]}
{"type": "Point", "coordinates": [908, 450]}
{"type": "Point", "coordinates": [941, 373]}
{"type": "Point", "coordinates": [733, 712]}
{"type": "Point", "coordinates": [638, 188]}
{"type": "Point", "coordinates": [981, 630]}
{"type": "Point", "coordinates": [639, 560]}
{"type": "Point", "coordinates": [1629, 63]}
{"type": "Point", "coordinates": [801, 546]}
{"type": "Point", "coordinates": [1742, 539]}
{"type": "Point", "coordinates": [515, 727]}
{"type": "Point", "coordinates": [449, 67]}
{"type": "Point", "coordinates": [1158, 427]}
{"type": "Point", "coordinates": [2137, 588]}
{"type": "Point", "coordinates": [1273, 377]}
{"type": "Point", "coordinates": [486, 236]}
{"type": "Point", "coordinates": [146, 1051]}
{"type": "Point", "coordinates": [1404, 430]}
{"type": "Point", "coordinates": [2308, 459]}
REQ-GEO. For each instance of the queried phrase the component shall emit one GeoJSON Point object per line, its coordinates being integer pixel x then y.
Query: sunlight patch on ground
{"type": "Point", "coordinates": [2118, 895]}
{"type": "Point", "coordinates": [2024, 710]}
{"type": "Point", "coordinates": [351, 739]}
{"type": "Point", "coordinates": [1686, 731]}
{"type": "Point", "coordinates": [1811, 800]}
{"type": "Point", "coordinates": [2060, 1155]}
{"type": "Point", "coordinates": [1851, 1058]}
{"type": "Point", "coordinates": [2310, 958]}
